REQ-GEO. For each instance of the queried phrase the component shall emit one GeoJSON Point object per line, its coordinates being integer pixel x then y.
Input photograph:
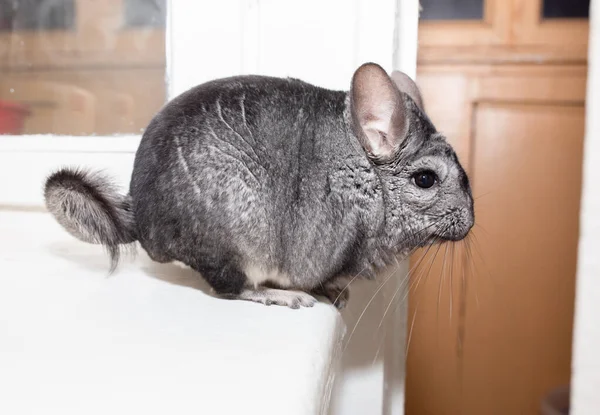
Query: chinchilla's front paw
{"type": "Point", "coordinates": [272, 296]}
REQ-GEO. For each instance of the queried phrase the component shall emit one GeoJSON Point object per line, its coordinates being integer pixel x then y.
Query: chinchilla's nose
{"type": "Point", "coordinates": [464, 225]}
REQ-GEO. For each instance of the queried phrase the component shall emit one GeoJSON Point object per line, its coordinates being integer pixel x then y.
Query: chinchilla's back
{"type": "Point", "coordinates": [242, 166]}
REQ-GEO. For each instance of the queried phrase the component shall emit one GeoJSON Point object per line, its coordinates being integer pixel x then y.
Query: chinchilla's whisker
{"type": "Point", "coordinates": [406, 279]}
{"type": "Point", "coordinates": [409, 274]}
{"type": "Point", "coordinates": [452, 254]}
{"type": "Point", "coordinates": [411, 235]}
{"type": "Point", "coordinates": [474, 237]}
{"type": "Point", "coordinates": [418, 302]}
{"type": "Point", "coordinates": [483, 195]}
{"type": "Point", "coordinates": [469, 242]}
{"type": "Point", "coordinates": [348, 285]}
{"type": "Point", "coordinates": [473, 247]}
{"type": "Point", "coordinates": [426, 275]}
{"type": "Point", "coordinates": [412, 326]}
{"type": "Point", "coordinates": [404, 282]}
{"type": "Point", "coordinates": [467, 247]}
{"type": "Point", "coordinates": [381, 342]}
{"type": "Point", "coordinates": [383, 283]}
{"type": "Point", "coordinates": [465, 242]}
{"type": "Point", "coordinates": [479, 226]}
{"type": "Point", "coordinates": [476, 244]}
{"type": "Point", "coordinates": [441, 279]}
{"type": "Point", "coordinates": [417, 277]}
{"type": "Point", "coordinates": [463, 287]}
{"type": "Point", "coordinates": [472, 270]}
{"type": "Point", "coordinates": [391, 274]}
{"type": "Point", "coordinates": [383, 337]}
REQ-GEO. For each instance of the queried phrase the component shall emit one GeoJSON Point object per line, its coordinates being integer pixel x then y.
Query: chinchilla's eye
{"type": "Point", "coordinates": [425, 179]}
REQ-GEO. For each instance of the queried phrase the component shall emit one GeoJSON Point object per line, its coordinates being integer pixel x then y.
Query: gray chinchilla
{"type": "Point", "coordinates": [274, 189]}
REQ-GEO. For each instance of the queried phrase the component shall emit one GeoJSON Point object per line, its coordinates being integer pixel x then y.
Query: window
{"type": "Point", "coordinates": [81, 67]}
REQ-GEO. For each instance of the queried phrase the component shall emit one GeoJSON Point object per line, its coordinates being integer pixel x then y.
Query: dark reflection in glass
{"type": "Point", "coordinates": [452, 9]}
{"type": "Point", "coordinates": [37, 15]}
{"type": "Point", "coordinates": [565, 9]}
{"type": "Point", "coordinates": [145, 13]}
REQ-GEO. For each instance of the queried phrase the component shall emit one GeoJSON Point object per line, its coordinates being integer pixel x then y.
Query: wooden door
{"type": "Point", "coordinates": [527, 165]}
{"type": "Point", "coordinates": [491, 320]}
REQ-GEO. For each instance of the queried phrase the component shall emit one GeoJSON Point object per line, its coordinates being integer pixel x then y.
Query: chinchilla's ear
{"type": "Point", "coordinates": [408, 86]}
{"type": "Point", "coordinates": [379, 116]}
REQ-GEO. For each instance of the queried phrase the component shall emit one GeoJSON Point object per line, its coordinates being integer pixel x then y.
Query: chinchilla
{"type": "Point", "coordinates": [276, 190]}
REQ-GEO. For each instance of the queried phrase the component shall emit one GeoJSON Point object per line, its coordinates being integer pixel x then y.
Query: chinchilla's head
{"type": "Point", "coordinates": [427, 192]}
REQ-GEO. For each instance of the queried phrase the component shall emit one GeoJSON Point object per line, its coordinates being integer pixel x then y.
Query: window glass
{"type": "Point", "coordinates": [81, 67]}
{"type": "Point", "coordinates": [451, 10]}
{"type": "Point", "coordinates": [565, 9]}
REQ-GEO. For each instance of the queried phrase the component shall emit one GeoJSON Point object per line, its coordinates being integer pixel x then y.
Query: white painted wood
{"type": "Point", "coordinates": [73, 144]}
{"type": "Point", "coordinates": [585, 384]}
{"type": "Point", "coordinates": [251, 28]}
{"type": "Point", "coordinates": [147, 340]}
{"type": "Point", "coordinates": [406, 39]}
{"type": "Point", "coordinates": [169, 49]}
{"type": "Point", "coordinates": [321, 42]}
{"type": "Point", "coordinates": [26, 160]}
{"type": "Point", "coordinates": [405, 60]}
{"type": "Point", "coordinates": [206, 41]}
{"type": "Point", "coordinates": [26, 188]}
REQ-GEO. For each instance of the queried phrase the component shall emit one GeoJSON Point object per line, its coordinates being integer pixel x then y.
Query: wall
{"type": "Point", "coordinates": [586, 352]}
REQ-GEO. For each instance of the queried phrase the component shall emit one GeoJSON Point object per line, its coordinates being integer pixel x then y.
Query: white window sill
{"type": "Point", "coordinates": [147, 339]}
{"type": "Point", "coordinates": [49, 143]}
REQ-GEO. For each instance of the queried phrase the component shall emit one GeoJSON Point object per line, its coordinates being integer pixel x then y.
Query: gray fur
{"type": "Point", "coordinates": [89, 207]}
{"type": "Point", "coordinates": [316, 185]}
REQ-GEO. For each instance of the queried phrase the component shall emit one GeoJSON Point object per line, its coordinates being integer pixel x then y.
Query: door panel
{"type": "Point", "coordinates": [504, 339]}
{"type": "Point", "coordinates": [519, 306]}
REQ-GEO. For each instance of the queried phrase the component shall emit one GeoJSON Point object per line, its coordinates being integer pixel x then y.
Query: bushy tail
{"type": "Point", "coordinates": [90, 208]}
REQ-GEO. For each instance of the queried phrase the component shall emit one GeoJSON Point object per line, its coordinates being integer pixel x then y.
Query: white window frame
{"type": "Point", "coordinates": [382, 31]}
